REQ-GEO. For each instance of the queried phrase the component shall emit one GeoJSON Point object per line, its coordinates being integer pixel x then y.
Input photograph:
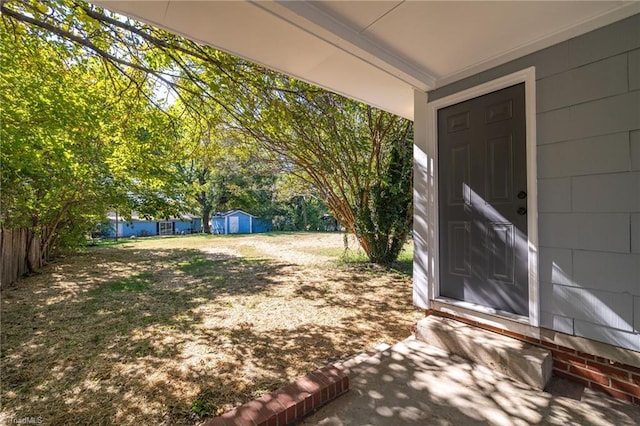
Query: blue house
{"type": "Point", "coordinates": [141, 227]}
{"type": "Point", "coordinates": [238, 222]}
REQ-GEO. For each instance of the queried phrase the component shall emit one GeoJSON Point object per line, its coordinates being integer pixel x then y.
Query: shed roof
{"type": "Point", "coordinates": [135, 217]}
{"type": "Point", "coordinates": [227, 213]}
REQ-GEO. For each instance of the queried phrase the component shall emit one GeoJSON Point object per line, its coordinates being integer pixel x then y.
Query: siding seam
{"type": "Point", "coordinates": [627, 71]}
{"type": "Point", "coordinates": [588, 102]}
{"type": "Point", "coordinates": [582, 139]}
{"type": "Point", "coordinates": [604, 58]}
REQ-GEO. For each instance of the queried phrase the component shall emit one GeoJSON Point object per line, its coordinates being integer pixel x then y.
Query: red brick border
{"type": "Point", "coordinates": [618, 380]}
{"type": "Point", "coordinates": [289, 403]}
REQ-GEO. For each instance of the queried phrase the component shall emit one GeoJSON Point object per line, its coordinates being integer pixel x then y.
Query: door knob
{"type": "Point", "coordinates": [522, 211]}
{"type": "Point", "coordinates": [522, 195]}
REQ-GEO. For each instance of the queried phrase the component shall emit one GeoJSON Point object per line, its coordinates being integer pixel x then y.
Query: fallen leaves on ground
{"type": "Point", "coordinates": [174, 330]}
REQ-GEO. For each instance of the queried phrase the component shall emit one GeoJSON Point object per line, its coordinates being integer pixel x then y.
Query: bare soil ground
{"type": "Point", "coordinates": [174, 330]}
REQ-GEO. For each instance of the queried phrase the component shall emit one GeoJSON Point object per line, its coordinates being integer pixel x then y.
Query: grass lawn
{"type": "Point", "coordinates": [173, 330]}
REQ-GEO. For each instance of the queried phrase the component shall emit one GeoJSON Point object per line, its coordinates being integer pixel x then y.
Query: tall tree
{"type": "Point", "coordinates": [53, 155]}
{"type": "Point", "coordinates": [200, 140]}
{"type": "Point", "coordinates": [75, 141]}
{"type": "Point", "coordinates": [357, 157]}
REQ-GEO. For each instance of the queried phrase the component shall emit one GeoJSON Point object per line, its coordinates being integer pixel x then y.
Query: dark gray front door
{"type": "Point", "coordinates": [482, 201]}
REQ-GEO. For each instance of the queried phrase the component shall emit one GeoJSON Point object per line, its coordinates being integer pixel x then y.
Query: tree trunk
{"type": "Point", "coordinates": [304, 213]}
{"type": "Point", "coordinates": [30, 240]}
{"type": "Point", "coordinates": [206, 217]}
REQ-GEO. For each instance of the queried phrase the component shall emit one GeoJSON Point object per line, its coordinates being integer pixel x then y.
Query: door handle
{"type": "Point", "coordinates": [522, 211]}
{"type": "Point", "coordinates": [522, 195]}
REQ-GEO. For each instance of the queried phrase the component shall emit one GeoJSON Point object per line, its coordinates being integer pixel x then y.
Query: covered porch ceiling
{"type": "Point", "coordinates": [378, 52]}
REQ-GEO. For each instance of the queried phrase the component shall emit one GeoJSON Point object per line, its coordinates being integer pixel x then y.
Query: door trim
{"type": "Point", "coordinates": [526, 76]}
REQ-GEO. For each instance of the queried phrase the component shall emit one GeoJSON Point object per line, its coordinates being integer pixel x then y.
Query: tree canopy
{"type": "Point", "coordinates": [129, 116]}
{"type": "Point", "coordinates": [66, 131]}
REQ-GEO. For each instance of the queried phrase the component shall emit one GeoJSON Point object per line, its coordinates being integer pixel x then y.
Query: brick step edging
{"type": "Point", "coordinates": [289, 403]}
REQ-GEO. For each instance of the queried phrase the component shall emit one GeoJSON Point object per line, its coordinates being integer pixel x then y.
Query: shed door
{"type": "Point", "coordinates": [482, 201]}
{"type": "Point", "coordinates": [234, 224]}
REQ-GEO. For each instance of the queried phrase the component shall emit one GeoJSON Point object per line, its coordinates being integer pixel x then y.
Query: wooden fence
{"type": "Point", "coordinates": [14, 250]}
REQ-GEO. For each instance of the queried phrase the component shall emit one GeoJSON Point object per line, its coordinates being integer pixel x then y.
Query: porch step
{"type": "Point", "coordinates": [514, 358]}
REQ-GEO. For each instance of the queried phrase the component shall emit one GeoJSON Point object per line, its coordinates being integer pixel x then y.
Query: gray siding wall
{"type": "Point", "coordinates": [588, 125]}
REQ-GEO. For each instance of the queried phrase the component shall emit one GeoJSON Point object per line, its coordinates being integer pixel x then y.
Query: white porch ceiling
{"type": "Point", "coordinates": [378, 52]}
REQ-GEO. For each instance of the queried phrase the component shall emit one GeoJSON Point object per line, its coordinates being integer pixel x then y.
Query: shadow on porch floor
{"type": "Point", "coordinates": [413, 383]}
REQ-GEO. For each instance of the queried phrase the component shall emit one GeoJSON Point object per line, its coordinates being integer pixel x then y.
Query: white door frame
{"type": "Point", "coordinates": [426, 258]}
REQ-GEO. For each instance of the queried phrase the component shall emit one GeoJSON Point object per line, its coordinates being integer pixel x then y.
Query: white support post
{"type": "Point", "coordinates": [423, 233]}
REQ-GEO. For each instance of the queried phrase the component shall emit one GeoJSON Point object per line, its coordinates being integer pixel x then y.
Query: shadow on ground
{"type": "Point", "coordinates": [170, 336]}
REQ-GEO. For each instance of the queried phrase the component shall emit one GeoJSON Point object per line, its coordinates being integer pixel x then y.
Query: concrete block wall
{"type": "Point", "coordinates": [588, 168]}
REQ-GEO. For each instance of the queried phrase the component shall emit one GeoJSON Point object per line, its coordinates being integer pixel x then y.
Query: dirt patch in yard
{"type": "Point", "coordinates": [173, 330]}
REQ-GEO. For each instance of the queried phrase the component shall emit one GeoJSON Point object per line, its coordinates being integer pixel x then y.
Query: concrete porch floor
{"type": "Point", "coordinates": [413, 383]}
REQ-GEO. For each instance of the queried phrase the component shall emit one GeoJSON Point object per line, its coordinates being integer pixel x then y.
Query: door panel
{"type": "Point", "coordinates": [500, 111]}
{"type": "Point", "coordinates": [483, 224]}
{"type": "Point", "coordinates": [459, 172]}
{"type": "Point", "coordinates": [500, 170]}
{"type": "Point", "coordinates": [458, 122]}
{"type": "Point", "coordinates": [501, 255]}
{"type": "Point", "coordinates": [460, 249]}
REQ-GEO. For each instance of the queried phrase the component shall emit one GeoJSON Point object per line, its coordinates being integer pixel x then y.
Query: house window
{"type": "Point", "coordinates": [166, 228]}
